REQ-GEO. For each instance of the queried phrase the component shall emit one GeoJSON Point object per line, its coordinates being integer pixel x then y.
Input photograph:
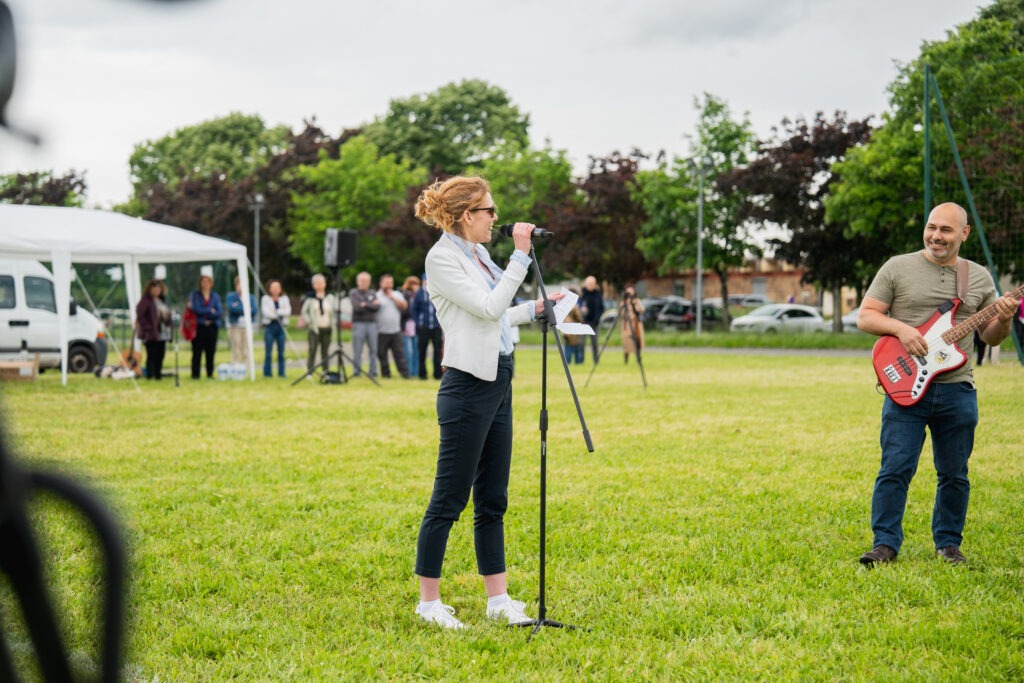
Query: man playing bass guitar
{"type": "Point", "coordinates": [905, 295]}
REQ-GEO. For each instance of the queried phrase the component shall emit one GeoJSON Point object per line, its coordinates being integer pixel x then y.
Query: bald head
{"type": "Point", "coordinates": [950, 211]}
{"type": "Point", "coordinates": [946, 230]}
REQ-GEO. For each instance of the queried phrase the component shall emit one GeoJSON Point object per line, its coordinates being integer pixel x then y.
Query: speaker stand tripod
{"type": "Point", "coordinates": [324, 365]}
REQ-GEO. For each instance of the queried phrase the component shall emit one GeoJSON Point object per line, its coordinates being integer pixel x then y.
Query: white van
{"type": "Point", "coordinates": [28, 320]}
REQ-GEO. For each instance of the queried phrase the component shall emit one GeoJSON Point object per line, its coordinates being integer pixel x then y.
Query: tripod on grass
{"type": "Point", "coordinates": [324, 366]}
{"type": "Point", "coordinates": [634, 335]}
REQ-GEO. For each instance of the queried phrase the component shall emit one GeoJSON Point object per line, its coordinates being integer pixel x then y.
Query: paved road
{"type": "Point", "coordinates": [756, 351]}
{"type": "Point", "coordinates": [836, 353]}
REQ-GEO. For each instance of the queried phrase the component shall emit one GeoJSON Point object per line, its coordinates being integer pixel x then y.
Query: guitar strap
{"type": "Point", "coordinates": [963, 270]}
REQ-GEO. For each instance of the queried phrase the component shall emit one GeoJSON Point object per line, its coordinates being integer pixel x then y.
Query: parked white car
{"type": "Point", "coordinates": [780, 318]}
{"type": "Point", "coordinates": [850, 321]}
{"type": "Point", "coordinates": [28, 320]}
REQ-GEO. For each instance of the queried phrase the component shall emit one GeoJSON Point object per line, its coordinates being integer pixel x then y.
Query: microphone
{"type": "Point", "coordinates": [539, 233]}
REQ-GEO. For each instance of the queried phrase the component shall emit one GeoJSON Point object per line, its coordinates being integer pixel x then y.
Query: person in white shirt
{"type": "Point", "coordinates": [274, 311]}
{"type": "Point", "coordinates": [474, 401]}
{"type": "Point", "coordinates": [318, 311]}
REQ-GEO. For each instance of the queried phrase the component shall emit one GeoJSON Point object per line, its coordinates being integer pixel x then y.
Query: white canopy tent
{"type": "Point", "coordinates": [64, 236]}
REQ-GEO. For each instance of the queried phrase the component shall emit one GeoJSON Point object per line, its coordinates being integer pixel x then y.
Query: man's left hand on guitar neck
{"type": "Point", "coordinates": [998, 328]}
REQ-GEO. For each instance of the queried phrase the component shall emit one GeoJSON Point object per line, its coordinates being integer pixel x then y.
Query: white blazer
{"type": "Point", "coordinates": [469, 310]}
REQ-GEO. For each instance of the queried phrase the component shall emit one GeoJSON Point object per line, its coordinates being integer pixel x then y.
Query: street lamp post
{"type": "Point", "coordinates": [256, 205]}
{"type": "Point", "coordinates": [701, 169]}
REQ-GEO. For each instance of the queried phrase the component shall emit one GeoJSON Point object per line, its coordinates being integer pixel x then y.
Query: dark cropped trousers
{"type": "Point", "coordinates": [474, 456]}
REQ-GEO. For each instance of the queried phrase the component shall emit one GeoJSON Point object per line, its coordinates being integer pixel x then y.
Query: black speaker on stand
{"type": "Point", "coordinates": [339, 251]}
{"type": "Point", "coordinates": [339, 247]}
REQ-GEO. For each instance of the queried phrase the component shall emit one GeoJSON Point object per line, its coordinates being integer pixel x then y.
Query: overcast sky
{"type": "Point", "coordinates": [96, 77]}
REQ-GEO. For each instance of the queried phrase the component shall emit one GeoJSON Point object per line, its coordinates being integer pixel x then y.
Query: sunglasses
{"type": "Point", "coordinates": [493, 210]}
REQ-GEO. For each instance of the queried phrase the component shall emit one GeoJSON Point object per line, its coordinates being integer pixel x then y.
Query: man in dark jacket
{"type": "Point", "coordinates": [592, 306]}
{"type": "Point", "coordinates": [364, 322]}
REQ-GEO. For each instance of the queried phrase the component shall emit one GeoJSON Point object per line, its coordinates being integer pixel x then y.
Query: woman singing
{"type": "Point", "coordinates": [474, 402]}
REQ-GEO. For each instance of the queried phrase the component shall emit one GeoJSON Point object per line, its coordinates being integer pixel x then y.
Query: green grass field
{"type": "Point", "coordinates": [713, 534]}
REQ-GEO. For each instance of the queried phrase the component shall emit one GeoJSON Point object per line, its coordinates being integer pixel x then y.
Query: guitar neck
{"type": "Point", "coordinates": [976, 321]}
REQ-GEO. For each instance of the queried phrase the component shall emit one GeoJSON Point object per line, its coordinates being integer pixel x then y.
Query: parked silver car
{"type": "Point", "coordinates": [780, 318]}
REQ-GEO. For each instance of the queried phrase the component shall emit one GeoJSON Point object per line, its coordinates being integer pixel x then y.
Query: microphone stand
{"type": "Point", "coordinates": [546, 321]}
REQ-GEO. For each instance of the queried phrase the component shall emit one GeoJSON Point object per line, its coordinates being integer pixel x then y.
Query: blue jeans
{"type": "Point", "coordinates": [574, 352]}
{"type": "Point", "coordinates": [273, 334]}
{"type": "Point", "coordinates": [950, 412]}
{"type": "Point", "coordinates": [412, 354]}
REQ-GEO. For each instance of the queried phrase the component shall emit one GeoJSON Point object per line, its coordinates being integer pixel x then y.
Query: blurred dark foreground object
{"type": "Point", "coordinates": [20, 559]}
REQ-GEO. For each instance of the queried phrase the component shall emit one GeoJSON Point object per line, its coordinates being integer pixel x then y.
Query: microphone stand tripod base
{"type": "Point", "coordinates": [538, 624]}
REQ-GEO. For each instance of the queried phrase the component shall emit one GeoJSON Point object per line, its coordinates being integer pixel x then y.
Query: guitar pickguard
{"type": "Point", "coordinates": [905, 377]}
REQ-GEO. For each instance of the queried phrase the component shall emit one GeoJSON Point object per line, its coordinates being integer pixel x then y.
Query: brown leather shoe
{"type": "Point", "coordinates": [880, 554]}
{"type": "Point", "coordinates": [951, 554]}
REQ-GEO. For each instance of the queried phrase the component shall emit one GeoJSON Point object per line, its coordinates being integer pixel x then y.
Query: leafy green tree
{"type": "Point", "coordinates": [786, 185]}
{"type": "Point", "coordinates": [879, 194]}
{"type": "Point", "coordinates": [43, 188]}
{"type": "Point", "coordinates": [597, 230]}
{"type": "Point", "coordinates": [979, 68]}
{"type": "Point", "coordinates": [529, 185]}
{"type": "Point", "coordinates": [445, 131]}
{"type": "Point", "coordinates": [669, 196]}
{"type": "Point", "coordinates": [233, 146]}
{"type": "Point", "coordinates": [358, 190]}
{"type": "Point", "coordinates": [218, 206]}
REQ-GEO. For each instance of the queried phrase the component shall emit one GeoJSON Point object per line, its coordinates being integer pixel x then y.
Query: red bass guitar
{"type": "Point", "coordinates": [905, 377]}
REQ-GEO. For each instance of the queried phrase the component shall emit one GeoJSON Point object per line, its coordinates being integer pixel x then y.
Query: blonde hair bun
{"type": "Point", "coordinates": [440, 204]}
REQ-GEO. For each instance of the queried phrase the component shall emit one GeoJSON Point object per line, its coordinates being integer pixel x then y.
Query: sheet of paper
{"type": "Point", "coordinates": [564, 305]}
{"type": "Point", "coordinates": [562, 308]}
{"type": "Point", "coordinates": [574, 328]}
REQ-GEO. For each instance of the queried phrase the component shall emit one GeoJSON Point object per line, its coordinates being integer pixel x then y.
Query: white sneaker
{"type": "Point", "coordinates": [442, 615]}
{"type": "Point", "coordinates": [512, 610]}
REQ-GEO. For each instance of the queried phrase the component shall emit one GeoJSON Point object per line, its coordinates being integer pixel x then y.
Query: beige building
{"type": "Point", "coordinates": [777, 280]}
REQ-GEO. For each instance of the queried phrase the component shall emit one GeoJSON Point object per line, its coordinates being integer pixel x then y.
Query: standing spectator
{"type": "Point", "coordinates": [153, 321]}
{"type": "Point", "coordinates": [236, 323]}
{"type": "Point", "coordinates": [591, 307]}
{"type": "Point", "coordinates": [365, 305]}
{"type": "Point", "coordinates": [275, 309]}
{"type": "Point", "coordinates": [318, 311]}
{"type": "Point", "coordinates": [574, 342]}
{"type": "Point", "coordinates": [428, 330]}
{"type": "Point", "coordinates": [389, 326]}
{"type": "Point", "coordinates": [412, 354]}
{"type": "Point", "coordinates": [631, 327]}
{"type": "Point", "coordinates": [979, 348]}
{"type": "Point", "coordinates": [205, 303]}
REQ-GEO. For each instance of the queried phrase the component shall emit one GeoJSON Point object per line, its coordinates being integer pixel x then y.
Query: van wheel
{"type": "Point", "coordinates": [81, 359]}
